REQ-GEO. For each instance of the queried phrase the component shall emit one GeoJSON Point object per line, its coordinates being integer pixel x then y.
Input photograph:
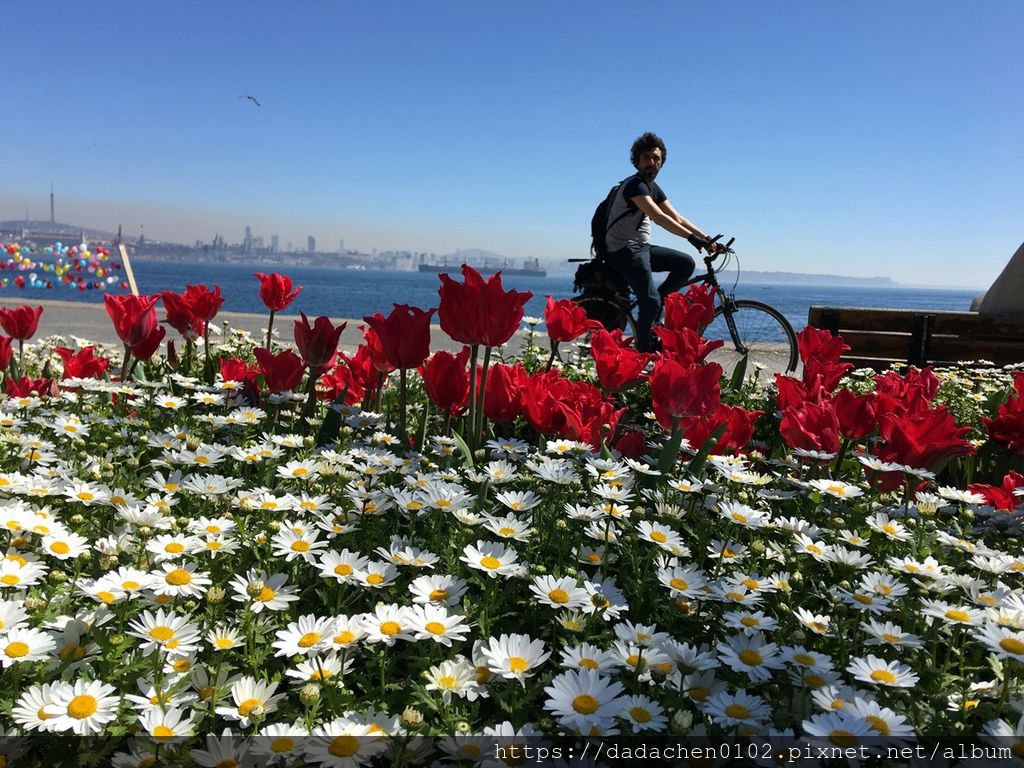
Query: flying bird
{"type": "Point", "coordinates": [251, 98]}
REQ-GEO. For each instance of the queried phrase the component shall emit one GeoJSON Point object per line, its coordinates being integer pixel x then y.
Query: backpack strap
{"type": "Point", "coordinates": [611, 199]}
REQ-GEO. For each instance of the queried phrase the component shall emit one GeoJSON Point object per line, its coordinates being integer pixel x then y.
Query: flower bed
{"type": "Point", "coordinates": [310, 559]}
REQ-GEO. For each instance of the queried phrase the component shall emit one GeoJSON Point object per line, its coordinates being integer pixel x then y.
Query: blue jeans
{"type": "Point", "coordinates": [636, 264]}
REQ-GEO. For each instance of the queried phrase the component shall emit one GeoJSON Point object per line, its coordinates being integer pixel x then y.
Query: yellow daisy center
{"type": "Point", "coordinates": [585, 704]}
{"type": "Point", "coordinates": [309, 639]}
{"type": "Point", "coordinates": [82, 706]}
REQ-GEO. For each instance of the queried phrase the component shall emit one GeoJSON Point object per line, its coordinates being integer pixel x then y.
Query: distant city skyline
{"type": "Point", "coordinates": [872, 138]}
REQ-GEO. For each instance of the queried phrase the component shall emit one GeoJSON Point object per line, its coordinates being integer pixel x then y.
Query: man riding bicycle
{"type": "Point", "coordinates": [636, 203]}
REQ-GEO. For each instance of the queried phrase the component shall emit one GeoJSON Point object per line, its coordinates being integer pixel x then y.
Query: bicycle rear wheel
{"type": "Point", "coordinates": [762, 333]}
{"type": "Point", "coordinates": [611, 314]}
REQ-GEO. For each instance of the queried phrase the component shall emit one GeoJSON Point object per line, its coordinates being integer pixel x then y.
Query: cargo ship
{"type": "Point", "coordinates": [530, 268]}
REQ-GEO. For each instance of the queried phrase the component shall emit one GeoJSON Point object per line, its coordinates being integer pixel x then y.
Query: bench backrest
{"type": "Point", "coordinates": [880, 337]}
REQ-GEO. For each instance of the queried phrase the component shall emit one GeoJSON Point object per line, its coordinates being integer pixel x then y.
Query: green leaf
{"type": "Point", "coordinates": [738, 374]}
{"type": "Point", "coordinates": [670, 450]}
{"type": "Point", "coordinates": [421, 433]}
{"type": "Point", "coordinates": [696, 466]}
{"type": "Point", "coordinates": [331, 425]}
{"type": "Point", "coordinates": [467, 454]}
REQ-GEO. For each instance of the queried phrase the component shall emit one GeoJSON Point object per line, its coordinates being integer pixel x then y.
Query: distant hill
{"type": "Point", "coordinates": [802, 278]}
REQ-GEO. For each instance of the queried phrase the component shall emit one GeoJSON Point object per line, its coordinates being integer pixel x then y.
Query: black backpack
{"type": "Point", "coordinates": [599, 224]}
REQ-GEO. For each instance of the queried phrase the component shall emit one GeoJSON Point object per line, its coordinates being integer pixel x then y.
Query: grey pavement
{"type": "Point", "coordinates": [90, 321]}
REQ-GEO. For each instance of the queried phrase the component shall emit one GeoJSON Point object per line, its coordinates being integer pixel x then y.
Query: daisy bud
{"type": "Point", "coordinates": [191, 605]}
{"type": "Point", "coordinates": [310, 694]}
{"type": "Point", "coordinates": [463, 727]}
{"type": "Point", "coordinates": [255, 587]}
{"type": "Point", "coordinates": [796, 578]}
{"type": "Point", "coordinates": [108, 562]}
{"type": "Point", "coordinates": [682, 721]}
{"type": "Point", "coordinates": [116, 639]}
{"type": "Point", "coordinates": [56, 577]}
{"type": "Point", "coordinates": [561, 525]}
{"type": "Point", "coordinates": [34, 603]}
{"type": "Point", "coordinates": [86, 556]}
{"type": "Point", "coordinates": [144, 531]}
{"type": "Point", "coordinates": [215, 595]}
{"type": "Point", "coordinates": [757, 547]}
{"type": "Point", "coordinates": [257, 713]}
{"type": "Point", "coordinates": [76, 519]}
{"type": "Point", "coordinates": [132, 461]}
{"type": "Point", "coordinates": [911, 522]}
{"type": "Point", "coordinates": [412, 717]}
{"type": "Point", "coordinates": [838, 521]}
{"type": "Point", "coordinates": [968, 514]}
{"type": "Point", "coordinates": [273, 526]}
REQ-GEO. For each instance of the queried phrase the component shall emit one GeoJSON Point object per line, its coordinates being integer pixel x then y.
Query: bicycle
{"type": "Point", "coordinates": [748, 328]}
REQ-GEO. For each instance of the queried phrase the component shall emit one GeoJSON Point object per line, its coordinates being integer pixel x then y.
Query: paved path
{"type": "Point", "coordinates": [90, 321]}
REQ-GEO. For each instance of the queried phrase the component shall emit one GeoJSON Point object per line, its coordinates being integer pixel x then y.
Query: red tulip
{"type": "Point", "coordinates": [923, 438]}
{"type": "Point", "coordinates": [20, 322]}
{"type": "Point", "coordinates": [685, 345]}
{"type": "Point", "coordinates": [618, 366]}
{"type": "Point", "coordinates": [26, 387]}
{"type": "Point", "coordinates": [134, 316]}
{"type": "Point", "coordinates": [857, 414]}
{"type": "Point", "coordinates": [146, 348]}
{"type": "Point", "coordinates": [1001, 496]}
{"type": "Point", "coordinates": [318, 344]}
{"type": "Point", "coordinates": [446, 380]}
{"type": "Point", "coordinates": [181, 317]}
{"type": "Point", "coordinates": [282, 372]}
{"type": "Point", "coordinates": [566, 320]}
{"type": "Point", "coordinates": [83, 364]}
{"type": "Point", "coordinates": [913, 391]}
{"type": "Point", "coordinates": [362, 366]}
{"type": "Point", "coordinates": [820, 352]}
{"type": "Point", "coordinates": [694, 309]}
{"type": "Point", "coordinates": [588, 417]}
{"type": "Point", "coordinates": [792, 391]}
{"type": "Point", "coordinates": [237, 369]}
{"type": "Point", "coordinates": [479, 312]}
{"type": "Point", "coordinates": [375, 352]}
{"type": "Point", "coordinates": [1007, 428]}
{"type": "Point", "coordinates": [739, 428]}
{"type": "Point", "coordinates": [679, 391]}
{"type": "Point", "coordinates": [404, 335]}
{"type": "Point", "coordinates": [204, 303]}
{"type": "Point", "coordinates": [340, 380]}
{"type": "Point", "coordinates": [632, 444]}
{"type": "Point", "coordinates": [539, 400]}
{"type": "Point", "coordinates": [503, 398]}
{"type": "Point", "coordinates": [274, 290]}
{"type": "Point", "coordinates": [811, 427]}
{"type": "Point", "coordinates": [5, 352]}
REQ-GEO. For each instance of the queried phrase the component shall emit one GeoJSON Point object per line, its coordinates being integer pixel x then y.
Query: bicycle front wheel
{"type": "Point", "coordinates": [760, 332]}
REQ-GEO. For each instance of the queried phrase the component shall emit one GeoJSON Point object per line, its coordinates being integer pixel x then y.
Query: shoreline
{"type": "Point", "coordinates": [90, 321]}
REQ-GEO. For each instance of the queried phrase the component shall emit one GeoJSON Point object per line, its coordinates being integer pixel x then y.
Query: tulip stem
{"type": "Point", "coordinates": [481, 417]}
{"type": "Point", "coordinates": [402, 434]}
{"type": "Point", "coordinates": [207, 364]}
{"type": "Point", "coordinates": [471, 420]}
{"type": "Point", "coordinates": [126, 362]}
{"type": "Point", "coordinates": [270, 325]}
{"type": "Point", "coordinates": [554, 354]}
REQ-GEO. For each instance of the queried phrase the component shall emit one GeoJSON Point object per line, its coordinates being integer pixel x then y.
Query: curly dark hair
{"type": "Point", "coordinates": [646, 143]}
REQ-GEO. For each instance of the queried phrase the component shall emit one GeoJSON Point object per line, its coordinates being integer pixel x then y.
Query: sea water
{"type": "Point", "coordinates": [343, 293]}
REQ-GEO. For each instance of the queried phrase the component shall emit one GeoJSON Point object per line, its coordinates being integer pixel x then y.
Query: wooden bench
{"type": "Point", "coordinates": [880, 337]}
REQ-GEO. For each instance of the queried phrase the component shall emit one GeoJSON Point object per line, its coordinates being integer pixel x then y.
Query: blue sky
{"type": "Point", "coordinates": [870, 138]}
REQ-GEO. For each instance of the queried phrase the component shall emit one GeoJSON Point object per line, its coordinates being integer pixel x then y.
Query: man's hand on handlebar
{"type": "Point", "coordinates": [711, 246]}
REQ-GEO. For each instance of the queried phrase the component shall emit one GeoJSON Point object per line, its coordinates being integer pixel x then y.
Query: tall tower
{"type": "Point", "coordinates": [53, 220]}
